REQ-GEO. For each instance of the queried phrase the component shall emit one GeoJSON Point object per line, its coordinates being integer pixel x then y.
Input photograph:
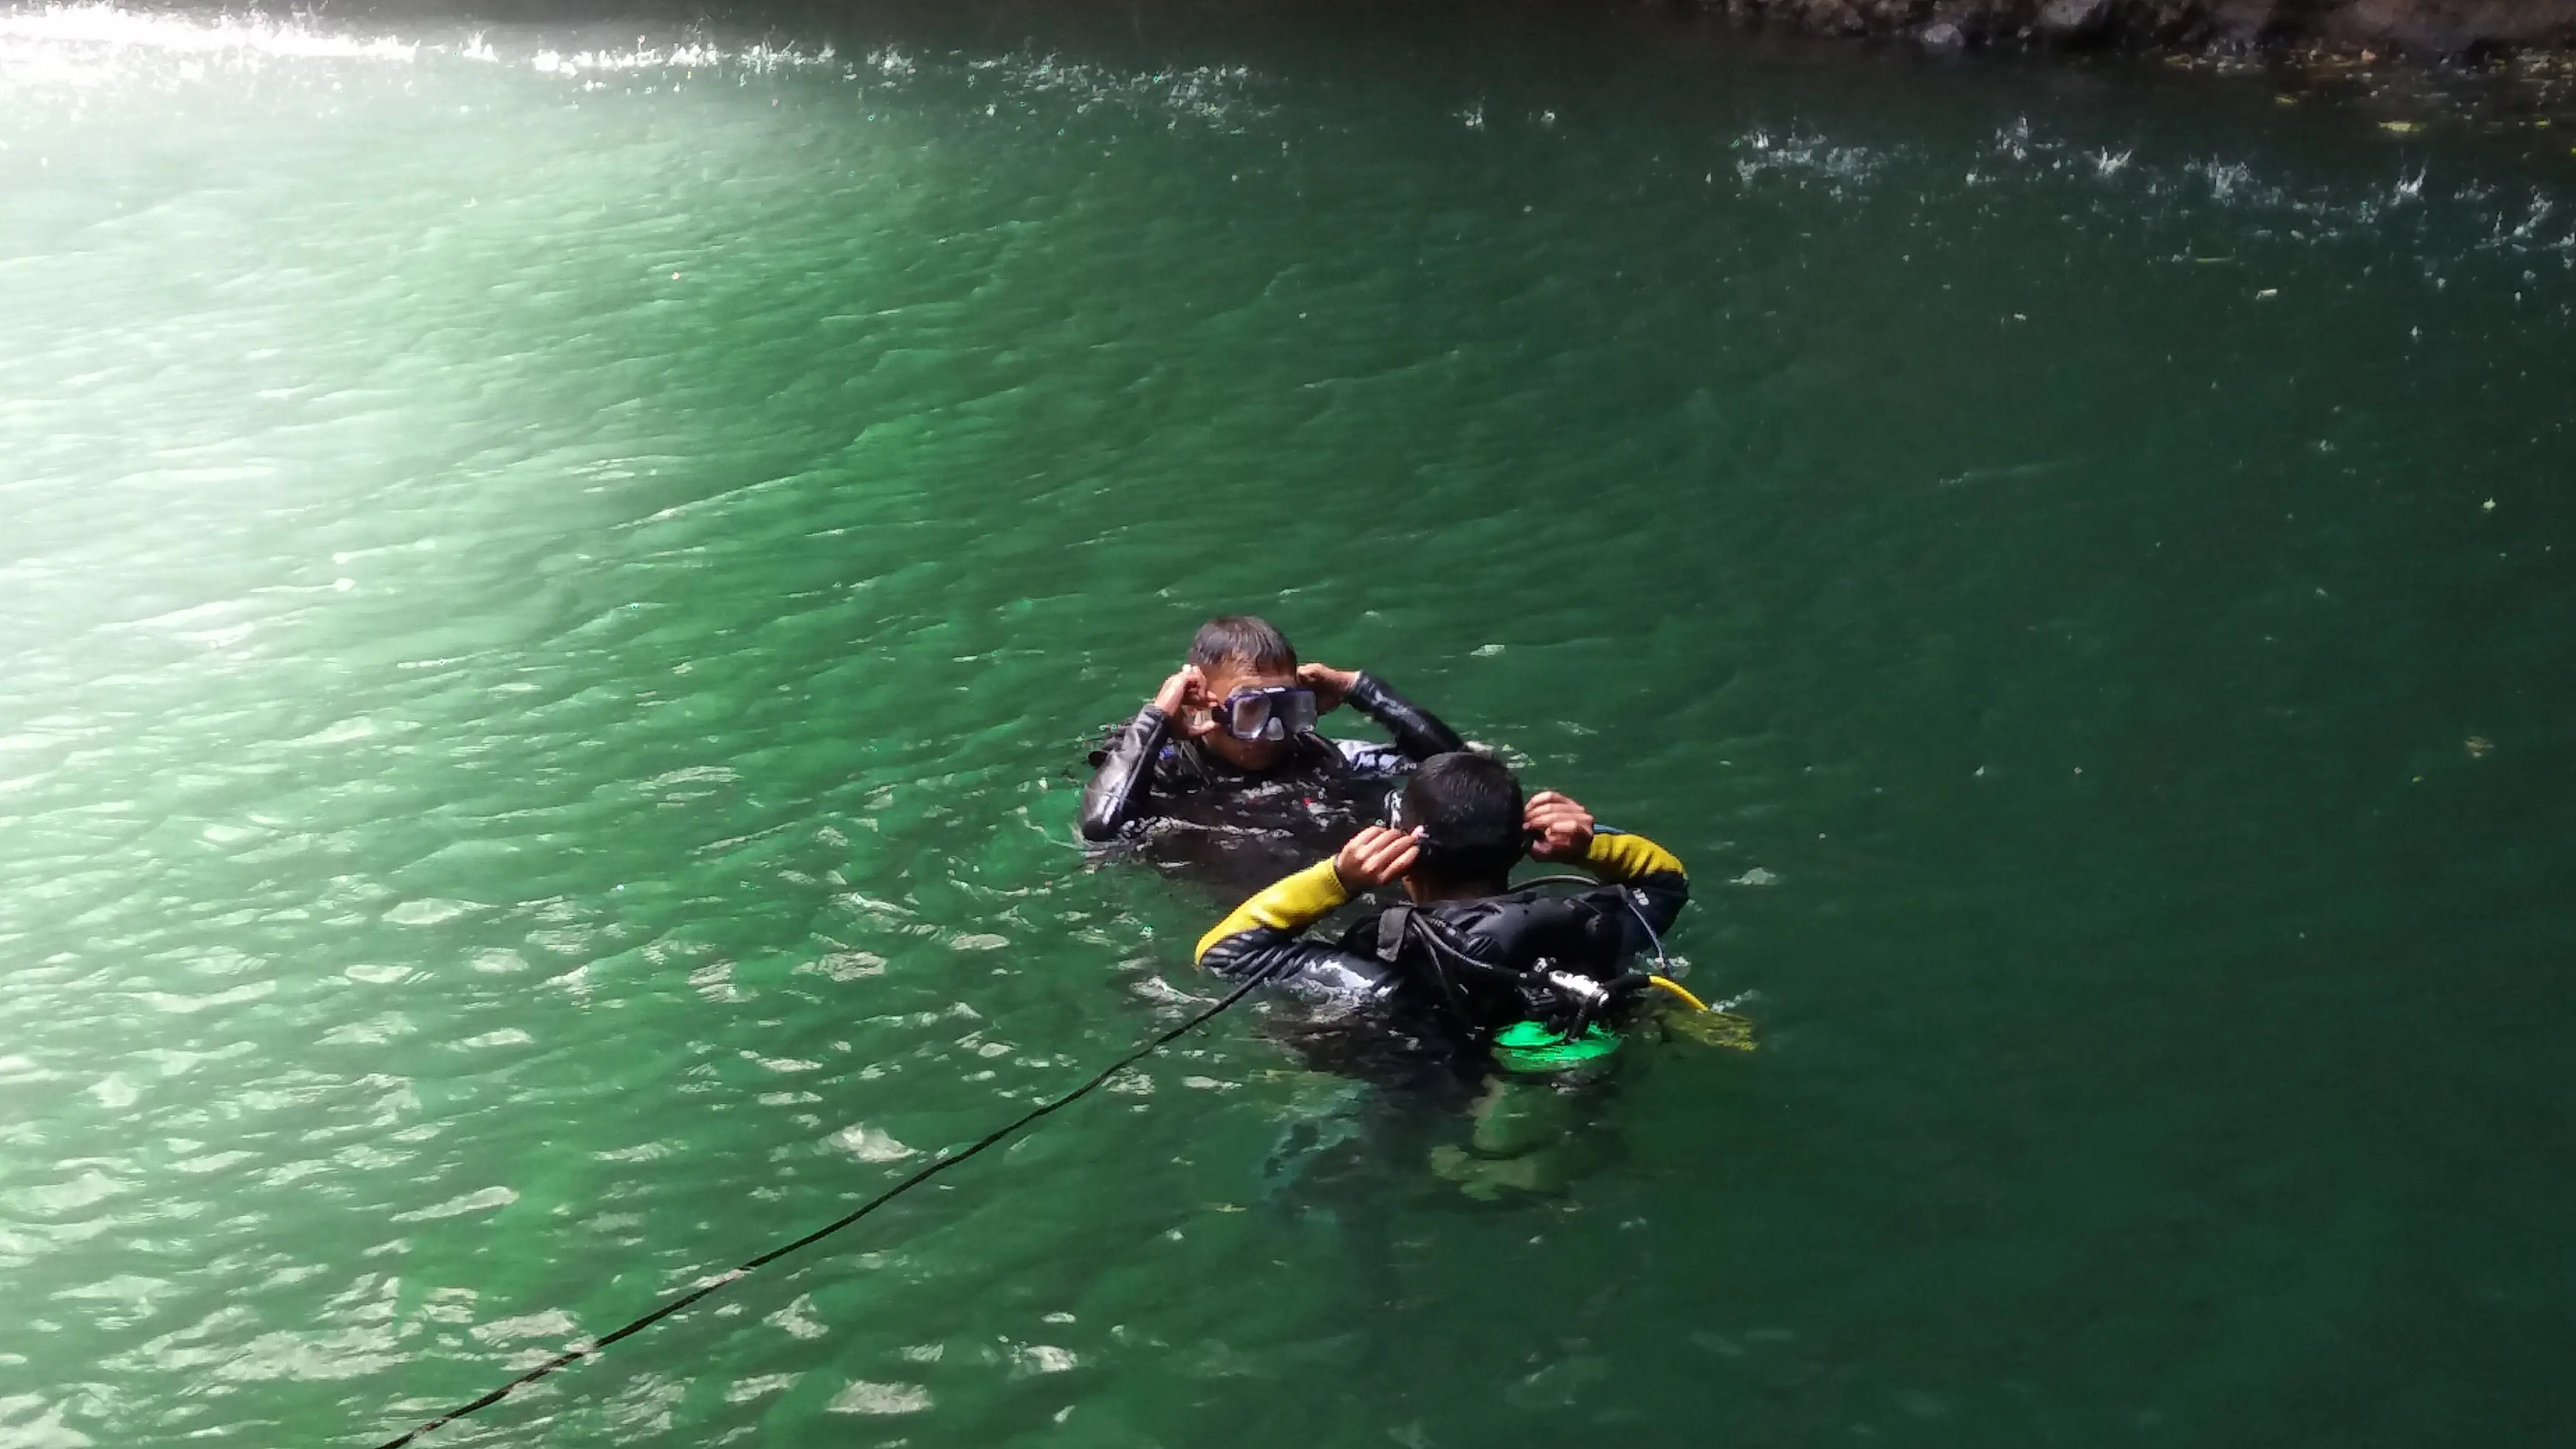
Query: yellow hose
{"type": "Point", "coordinates": [1677, 989]}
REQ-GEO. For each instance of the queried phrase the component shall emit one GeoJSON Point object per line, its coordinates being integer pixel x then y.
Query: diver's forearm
{"type": "Point", "coordinates": [1615, 855]}
{"type": "Point", "coordinates": [1118, 789]}
{"type": "Point", "coordinates": [1289, 904]}
{"type": "Point", "coordinates": [1264, 938]}
{"type": "Point", "coordinates": [1418, 732]}
{"type": "Point", "coordinates": [1653, 875]}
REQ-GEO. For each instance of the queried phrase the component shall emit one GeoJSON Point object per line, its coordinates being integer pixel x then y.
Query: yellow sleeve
{"type": "Point", "coordinates": [1308, 896]}
{"type": "Point", "coordinates": [1628, 857]}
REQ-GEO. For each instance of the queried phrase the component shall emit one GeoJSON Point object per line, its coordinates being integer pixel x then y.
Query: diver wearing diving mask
{"type": "Point", "coordinates": [1230, 745]}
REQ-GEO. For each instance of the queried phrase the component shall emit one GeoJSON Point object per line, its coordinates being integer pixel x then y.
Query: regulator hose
{"type": "Point", "coordinates": [1677, 989]}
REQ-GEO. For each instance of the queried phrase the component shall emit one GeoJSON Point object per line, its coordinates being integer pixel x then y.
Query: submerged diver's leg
{"type": "Point", "coordinates": [1316, 1146]}
{"type": "Point", "coordinates": [1528, 1134]}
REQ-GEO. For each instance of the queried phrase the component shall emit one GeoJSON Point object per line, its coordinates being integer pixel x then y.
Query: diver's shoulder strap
{"type": "Point", "coordinates": [1392, 923]}
{"type": "Point", "coordinates": [1186, 758]}
{"type": "Point", "coordinates": [1324, 753]}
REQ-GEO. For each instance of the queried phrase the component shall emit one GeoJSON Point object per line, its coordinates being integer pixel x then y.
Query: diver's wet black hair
{"type": "Point", "coordinates": [1242, 639]}
{"type": "Point", "coordinates": [1469, 810]}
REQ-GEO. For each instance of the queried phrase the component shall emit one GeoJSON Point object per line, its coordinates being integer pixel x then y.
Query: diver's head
{"type": "Point", "coordinates": [1241, 657]}
{"type": "Point", "coordinates": [1467, 809]}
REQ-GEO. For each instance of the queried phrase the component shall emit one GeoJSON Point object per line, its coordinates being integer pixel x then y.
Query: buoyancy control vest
{"type": "Point", "coordinates": [1561, 960]}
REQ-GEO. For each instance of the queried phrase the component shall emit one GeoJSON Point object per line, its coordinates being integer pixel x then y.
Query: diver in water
{"type": "Point", "coordinates": [1227, 753]}
{"type": "Point", "coordinates": [1466, 961]}
{"type": "Point", "coordinates": [1469, 994]}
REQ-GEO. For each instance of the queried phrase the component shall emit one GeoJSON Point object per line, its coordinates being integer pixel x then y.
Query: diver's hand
{"type": "Point", "coordinates": [1331, 685]}
{"type": "Point", "coordinates": [1186, 688]}
{"type": "Point", "coordinates": [1563, 828]}
{"type": "Point", "coordinates": [1375, 856]}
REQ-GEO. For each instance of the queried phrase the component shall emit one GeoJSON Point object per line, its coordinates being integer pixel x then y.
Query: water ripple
{"type": "Point", "coordinates": [556, 583]}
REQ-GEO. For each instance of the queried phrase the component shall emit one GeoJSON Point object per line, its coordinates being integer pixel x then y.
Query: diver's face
{"type": "Point", "coordinates": [1255, 755]}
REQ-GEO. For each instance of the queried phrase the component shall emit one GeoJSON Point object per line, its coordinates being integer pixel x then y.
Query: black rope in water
{"type": "Point", "coordinates": [576, 1354]}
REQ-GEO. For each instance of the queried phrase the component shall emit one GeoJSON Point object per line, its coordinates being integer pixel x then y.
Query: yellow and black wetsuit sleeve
{"type": "Point", "coordinates": [1265, 937]}
{"type": "Point", "coordinates": [1653, 875]}
{"type": "Point", "coordinates": [1283, 908]}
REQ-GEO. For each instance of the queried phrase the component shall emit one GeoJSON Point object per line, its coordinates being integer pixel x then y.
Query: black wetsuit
{"type": "Point", "coordinates": [1252, 825]}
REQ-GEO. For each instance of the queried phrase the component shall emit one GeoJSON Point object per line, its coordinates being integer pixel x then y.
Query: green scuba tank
{"type": "Point", "coordinates": [1534, 1047]}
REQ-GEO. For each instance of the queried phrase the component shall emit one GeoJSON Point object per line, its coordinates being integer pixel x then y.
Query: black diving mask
{"type": "Point", "coordinates": [1275, 713]}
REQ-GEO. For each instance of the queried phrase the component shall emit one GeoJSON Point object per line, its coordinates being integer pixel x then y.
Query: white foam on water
{"type": "Point", "coordinates": [90, 47]}
{"type": "Point", "coordinates": [693, 53]}
{"type": "Point", "coordinates": [1804, 160]}
{"type": "Point", "coordinates": [553, 1323]}
{"type": "Point", "coordinates": [1220, 95]}
{"type": "Point", "coordinates": [1042, 1358]}
{"type": "Point", "coordinates": [2021, 155]}
{"type": "Point", "coordinates": [108, 29]}
{"type": "Point", "coordinates": [481, 1200]}
{"type": "Point", "coordinates": [94, 44]}
{"type": "Point", "coordinates": [744, 1390]}
{"type": "Point", "coordinates": [863, 1397]}
{"type": "Point", "coordinates": [869, 1144]}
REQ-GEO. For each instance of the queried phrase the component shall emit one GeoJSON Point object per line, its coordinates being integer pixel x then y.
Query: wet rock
{"type": "Point", "coordinates": [2067, 22]}
{"type": "Point", "coordinates": [2244, 22]}
{"type": "Point", "coordinates": [1833, 17]}
{"type": "Point", "coordinates": [2430, 29]}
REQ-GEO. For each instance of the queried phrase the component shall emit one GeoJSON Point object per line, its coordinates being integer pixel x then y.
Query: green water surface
{"type": "Point", "coordinates": [555, 578]}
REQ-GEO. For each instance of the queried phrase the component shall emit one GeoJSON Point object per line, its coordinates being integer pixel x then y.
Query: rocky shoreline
{"type": "Point", "coordinates": [2454, 30]}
